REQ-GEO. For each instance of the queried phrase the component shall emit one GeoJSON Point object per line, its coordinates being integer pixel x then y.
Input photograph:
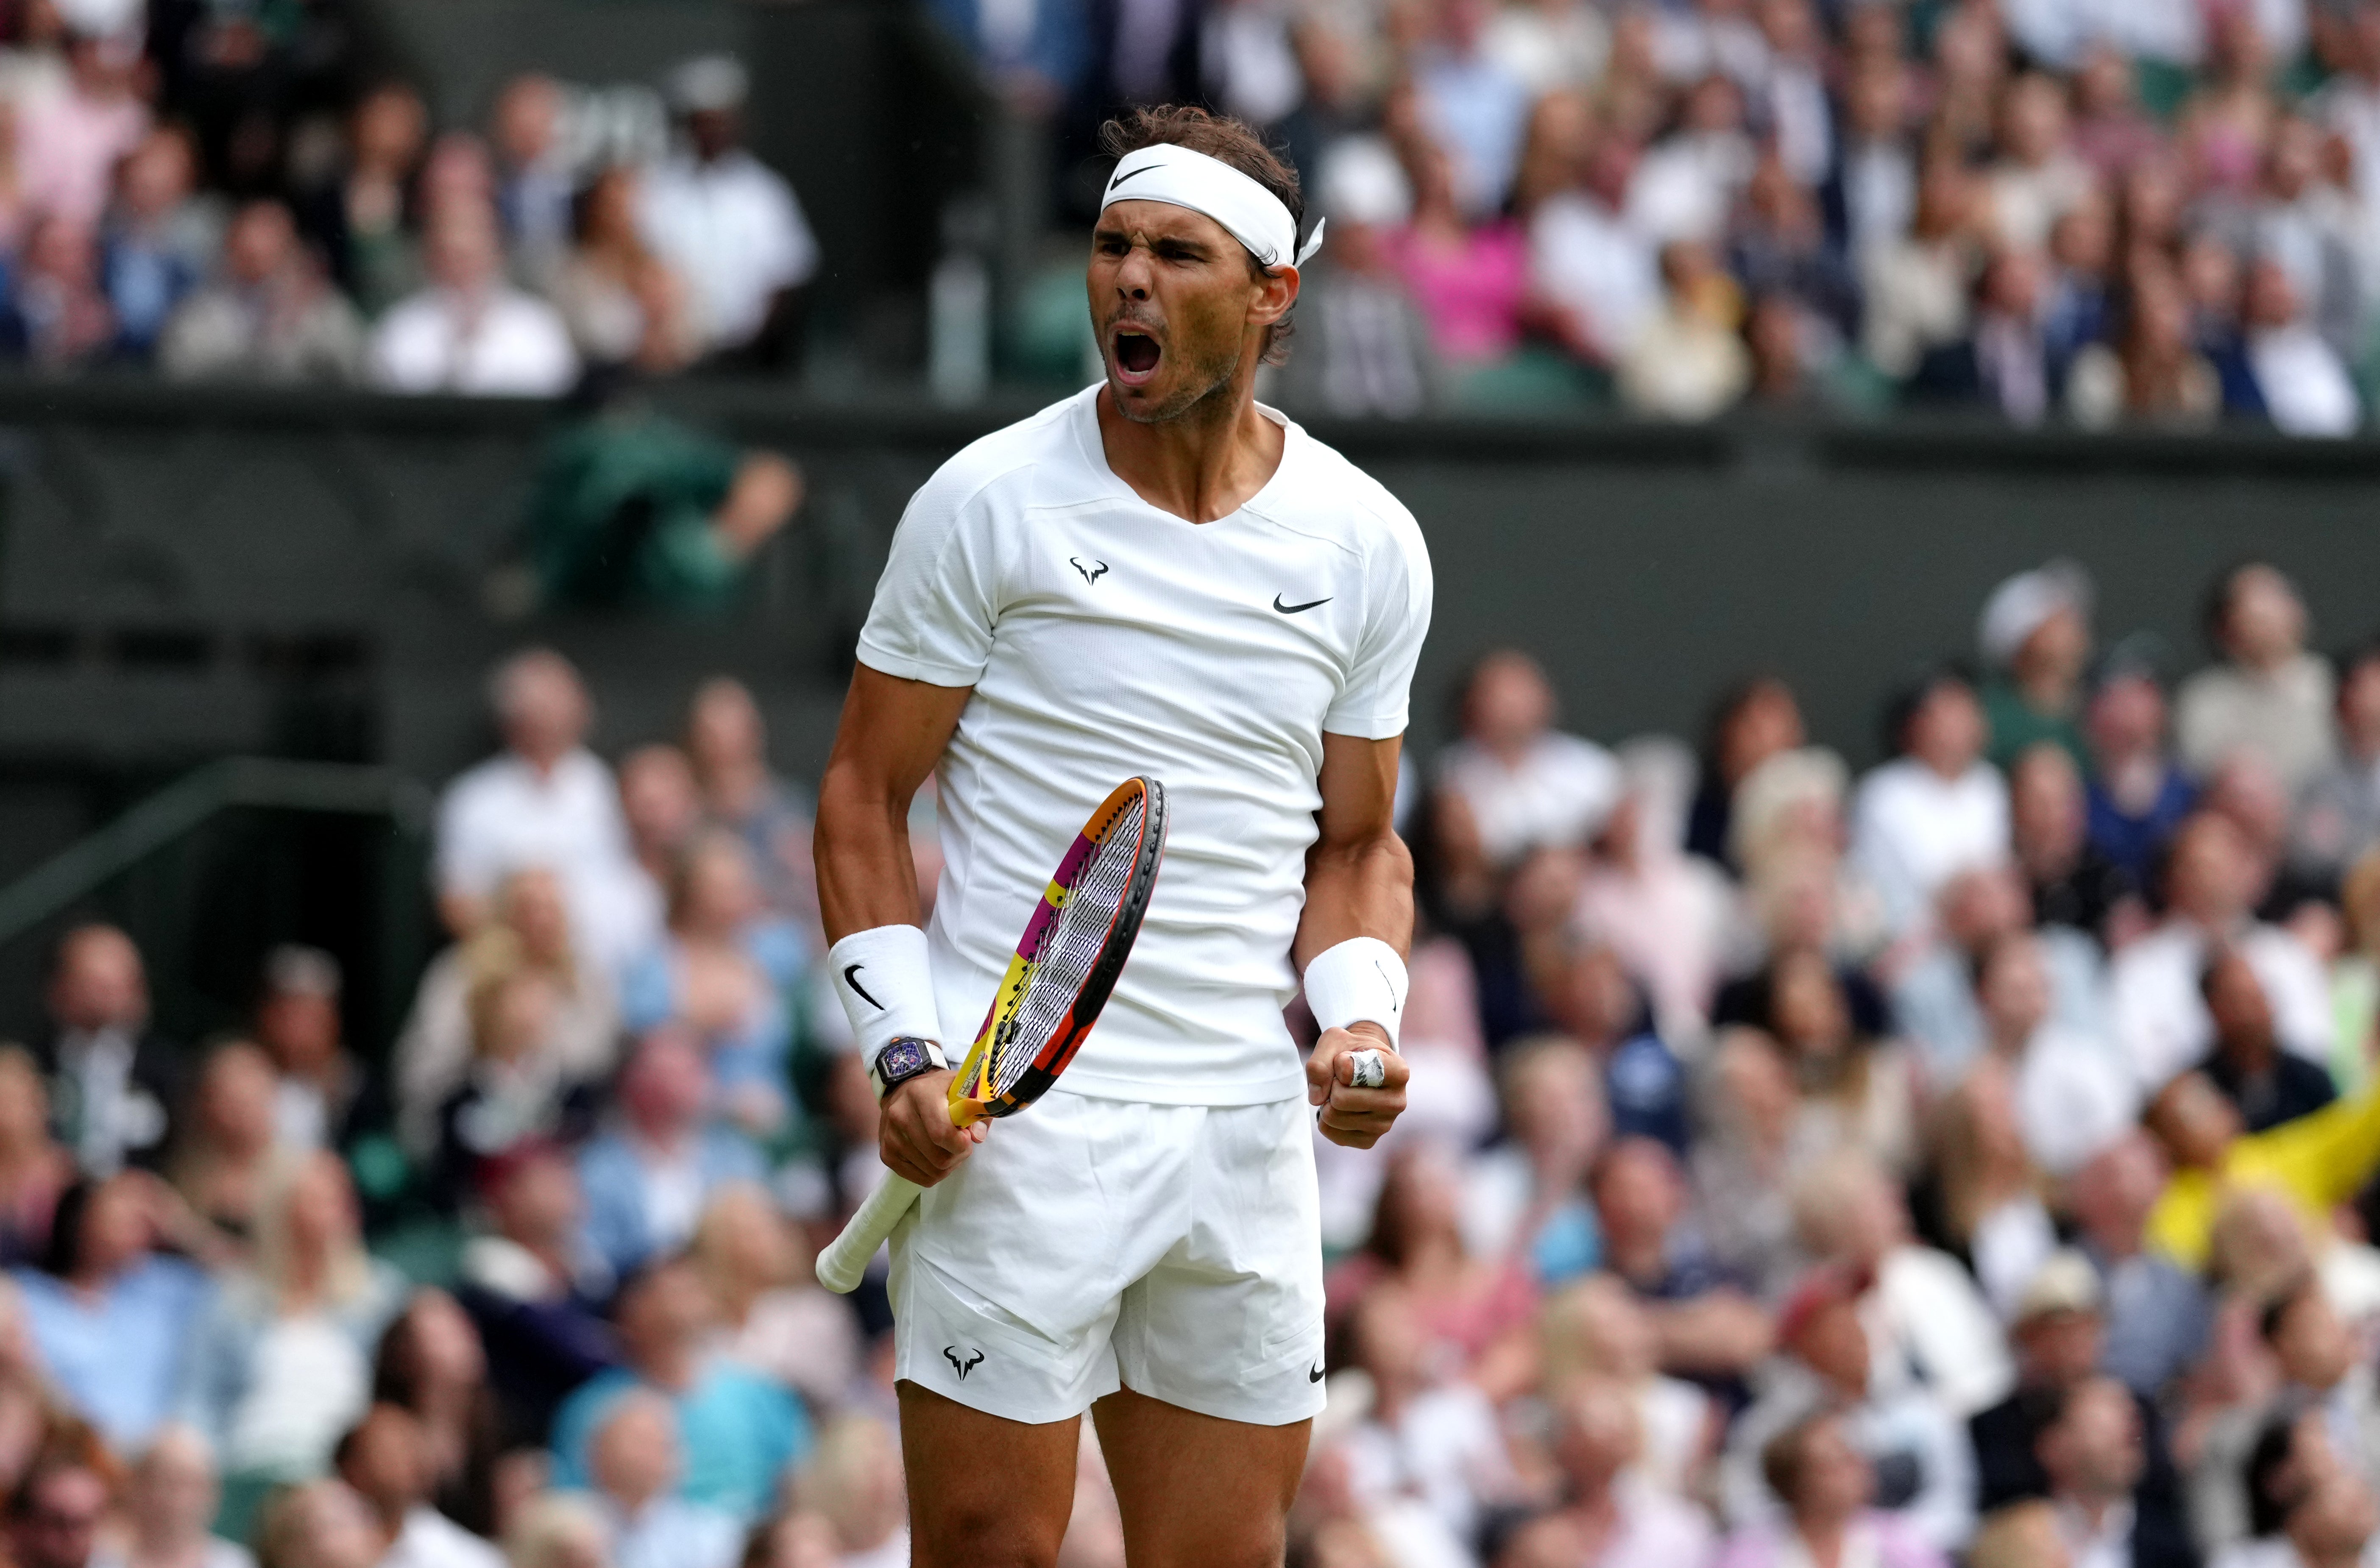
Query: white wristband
{"type": "Point", "coordinates": [887, 987]}
{"type": "Point", "coordinates": [1360, 980]}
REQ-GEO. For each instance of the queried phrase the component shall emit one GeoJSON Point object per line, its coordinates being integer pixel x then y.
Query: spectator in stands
{"type": "Point", "coordinates": [1855, 1089]}
{"type": "Point", "coordinates": [2339, 818]}
{"type": "Point", "coordinates": [34, 1168]}
{"type": "Point", "coordinates": [228, 1147]}
{"type": "Point", "coordinates": [57, 1511]}
{"type": "Point", "coordinates": [2036, 638]}
{"type": "Point", "coordinates": [533, 189]}
{"type": "Point", "coordinates": [1593, 270]}
{"type": "Point", "coordinates": [1827, 1489]}
{"type": "Point", "coordinates": [1688, 360]}
{"type": "Point", "coordinates": [738, 1431]}
{"type": "Point", "coordinates": [725, 222]}
{"type": "Point", "coordinates": [384, 1459]}
{"type": "Point", "coordinates": [727, 743]}
{"type": "Point", "coordinates": [661, 803]}
{"type": "Point", "coordinates": [158, 243]}
{"type": "Point", "coordinates": [108, 1312]}
{"type": "Point", "coordinates": [2265, 1084]}
{"type": "Point", "coordinates": [56, 316]}
{"type": "Point", "coordinates": [2155, 1004]}
{"type": "Point", "coordinates": [1528, 784]}
{"type": "Point", "coordinates": [1434, 1438]}
{"type": "Point", "coordinates": [2153, 373]}
{"type": "Point", "coordinates": [2057, 1330]}
{"type": "Point", "coordinates": [2094, 1457]}
{"type": "Point", "coordinates": [636, 511]}
{"type": "Point", "coordinates": [1918, 285]}
{"type": "Point", "coordinates": [1664, 911]}
{"type": "Point", "coordinates": [2075, 886]}
{"type": "Point", "coordinates": [2156, 1317]}
{"type": "Point", "coordinates": [1987, 1200]}
{"type": "Point", "coordinates": [2300, 379]}
{"type": "Point", "coordinates": [532, 1279]}
{"type": "Point", "coordinates": [647, 1176]}
{"type": "Point", "coordinates": [1871, 192]}
{"type": "Point", "coordinates": [1366, 348]}
{"type": "Point", "coordinates": [1936, 811]}
{"type": "Point", "coordinates": [68, 142]}
{"type": "Point", "coordinates": [268, 315]}
{"type": "Point", "coordinates": [1468, 278]}
{"type": "Point", "coordinates": [2039, 178]}
{"type": "Point", "coordinates": [1596, 1331]}
{"type": "Point", "coordinates": [2138, 793]}
{"type": "Point", "coordinates": [633, 1467]}
{"type": "Point", "coordinates": [431, 1364]}
{"type": "Point", "coordinates": [1927, 1319]}
{"type": "Point", "coordinates": [169, 1501]}
{"type": "Point", "coordinates": [1934, 998]}
{"type": "Point", "coordinates": [530, 929]}
{"type": "Point", "coordinates": [544, 800]}
{"type": "Point", "coordinates": [1522, 1194]}
{"type": "Point", "coordinates": [2315, 1163]}
{"type": "Point", "coordinates": [280, 1364]}
{"type": "Point", "coordinates": [114, 1086]}
{"type": "Point", "coordinates": [1471, 105]}
{"type": "Point", "coordinates": [2073, 1090]}
{"type": "Point", "coordinates": [2270, 695]}
{"type": "Point", "coordinates": [360, 218]}
{"type": "Point", "coordinates": [2326, 1380]}
{"type": "Point", "coordinates": [773, 1316]}
{"type": "Point", "coordinates": [2355, 973]}
{"type": "Point", "coordinates": [1706, 1326]}
{"type": "Point", "coordinates": [319, 1525]}
{"type": "Point", "coordinates": [853, 1483]}
{"type": "Point", "coordinates": [470, 331]}
{"type": "Point", "coordinates": [623, 305]}
{"type": "Point", "coordinates": [1598, 1441]}
{"type": "Point", "coordinates": [320, 1098]}
{"type": "Point", "coordinates": [1752, 723]}
{"type": "Point", "coordinates": [520, 1087]}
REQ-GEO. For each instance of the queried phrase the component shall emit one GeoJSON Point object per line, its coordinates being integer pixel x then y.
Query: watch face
{"type": "Point", "coordinates": [900, 1059]}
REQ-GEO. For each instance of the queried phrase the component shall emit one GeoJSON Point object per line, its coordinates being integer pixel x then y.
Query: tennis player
{"type": "Point", "coordinates": [1157, 576]}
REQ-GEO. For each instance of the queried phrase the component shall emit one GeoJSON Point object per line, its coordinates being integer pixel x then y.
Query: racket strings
{"type": "Point", "coordinates": [1071, 947]}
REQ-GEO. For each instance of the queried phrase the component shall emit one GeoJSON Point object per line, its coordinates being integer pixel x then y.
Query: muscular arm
{"type": "Point", "coordinates": [891, 734]}
{"type": "Point", "coordinates": [1358, 882]}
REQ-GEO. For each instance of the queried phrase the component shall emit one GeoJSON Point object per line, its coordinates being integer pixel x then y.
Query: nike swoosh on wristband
{"type": "Point", "coordinates": [854, 985]}
{"type": "Point", "coordinates": [1295, 609]}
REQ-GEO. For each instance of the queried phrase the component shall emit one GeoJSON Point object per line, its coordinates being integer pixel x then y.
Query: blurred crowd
{"type": "Point", "coordinates": [2102, 211]}
{"type": "Point", "coordinates": [1970, 1160]}
{"type": "Point", "coordinates": [233, 191]}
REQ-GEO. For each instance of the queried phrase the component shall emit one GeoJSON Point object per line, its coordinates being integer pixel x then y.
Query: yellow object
{"type": "Point", "coordinates": [2317, 1161]}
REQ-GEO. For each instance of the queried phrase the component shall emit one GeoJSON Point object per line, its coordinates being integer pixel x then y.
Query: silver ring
{"type": "Point", "coordinates": [1371, 1068]}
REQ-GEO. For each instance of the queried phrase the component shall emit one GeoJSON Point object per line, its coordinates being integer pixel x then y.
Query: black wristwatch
{"type": "Point", "coordinates": [903, 1058]}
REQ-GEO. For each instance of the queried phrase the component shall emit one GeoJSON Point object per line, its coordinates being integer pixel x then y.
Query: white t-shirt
{"type": "Point", "coordinates": [503, 816]}
{"type": "Point", "coordinates": [1556, 798]}
{"type": "Point", "coordinates": [734, 231]}
{"type": "Point", "coordinates": [2160, 1012]}
{"type": "Point", "coordinates": [510, 345]}
{"type": "Point", "coordinates": [1105, 637]}
{"type": "Point", "coordinates": [1912, 830]}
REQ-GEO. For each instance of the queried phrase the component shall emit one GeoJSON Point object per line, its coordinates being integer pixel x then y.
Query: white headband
{"type": "Point", "coordinates": [1180, 177]}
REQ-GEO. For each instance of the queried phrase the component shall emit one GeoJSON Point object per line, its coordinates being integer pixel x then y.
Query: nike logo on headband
{"type": "Point", "coordinates": [1133, 174]}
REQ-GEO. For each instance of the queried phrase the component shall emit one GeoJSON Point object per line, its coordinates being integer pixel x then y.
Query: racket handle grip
{"type": "Point", "coordinates": [844, 1262]}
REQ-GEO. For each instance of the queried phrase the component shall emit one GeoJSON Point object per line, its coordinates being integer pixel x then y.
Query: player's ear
{"type": "Point", "coordinates": [1276, 292]}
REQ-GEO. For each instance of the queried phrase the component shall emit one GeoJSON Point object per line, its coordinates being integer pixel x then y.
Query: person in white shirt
{"type": "Point", "coordinates": [470, 332]}
{"type": "Point", "coordinates": [386, 1458]}
{"type": "Point", "coordinates": [2154, 1000]}
{"type": "Point", "coordinates": [169, 1501]}
{"type": "Point", "coordinates": [723, 220]}
{"type": "Point", "coordinates": [2304, 383]}
{"type": "Point", "coordinates": [2095, 1454]}
{"type": "Point", "coordinates": [1156, 576]}
{"type": "Point", "coordinates": [545, 800]}
{"type": "Point", "coordinates": [1439, 1443]}
{"type": "Point", "coordinates": [1589, 261]}
{"type": "Point", "coordinates": [2269, 695]}
{"type": "Point", "coordinates": [1935, 811]}
{"type": "Point", "coordinates": [2074, 1092]}
{"type": "Point", "coordinates": [1529, 785]}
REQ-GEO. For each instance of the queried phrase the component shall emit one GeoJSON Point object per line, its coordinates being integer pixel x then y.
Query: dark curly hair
{"type": "Point", "coordinates": [1227, 140]}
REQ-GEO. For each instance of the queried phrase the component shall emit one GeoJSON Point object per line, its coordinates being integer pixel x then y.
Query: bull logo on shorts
{"type": "Point", "coordinates": [951, 1354]}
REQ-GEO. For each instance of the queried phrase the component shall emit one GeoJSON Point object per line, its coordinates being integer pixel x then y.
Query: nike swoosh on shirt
{"type": "Point", "coordinates": [1295, 609]}
{"type": "Point", "coordinates": [854, 985]}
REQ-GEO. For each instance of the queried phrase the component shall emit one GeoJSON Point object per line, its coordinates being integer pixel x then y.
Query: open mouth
{"type": "Point", "coordinates": [1136, 354]}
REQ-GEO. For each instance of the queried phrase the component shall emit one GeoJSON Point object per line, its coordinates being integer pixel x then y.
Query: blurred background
{"type": "Point", "coordinates": [446, 452]}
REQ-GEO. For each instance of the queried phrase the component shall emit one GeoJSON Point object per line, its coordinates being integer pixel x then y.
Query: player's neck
{"type": "Point", "coordinates": [1202, 465]}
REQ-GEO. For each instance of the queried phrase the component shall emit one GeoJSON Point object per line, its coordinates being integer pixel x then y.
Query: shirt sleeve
{"type": "Point", "coordinates": [936, 602]}
{"type": "Point", "coordinates": [1399, 590]}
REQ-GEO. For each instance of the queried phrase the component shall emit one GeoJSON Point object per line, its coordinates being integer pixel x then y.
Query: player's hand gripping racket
{"type": "Point", "coordinates": [1065, 966]}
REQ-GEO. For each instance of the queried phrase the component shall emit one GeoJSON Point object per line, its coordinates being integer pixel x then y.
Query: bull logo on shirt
{"type": "Point", "coordinates": [951, 1354]}
{"type": "Point", "coordinates": [1092, 572]}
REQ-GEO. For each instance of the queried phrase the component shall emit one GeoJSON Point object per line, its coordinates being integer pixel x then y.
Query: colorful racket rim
{"type": "Point", "coordinates": [1068, 959]}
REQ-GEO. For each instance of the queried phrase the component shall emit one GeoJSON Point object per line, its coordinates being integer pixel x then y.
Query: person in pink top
{"type": "Point", "coordinates": [1470, 281]}
{"type": "Point", "coordinates": [68, 142]}
{"type": "Point", "coordinates": [1825, 1484]}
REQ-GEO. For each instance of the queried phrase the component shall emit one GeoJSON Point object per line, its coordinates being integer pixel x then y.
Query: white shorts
{"type": "Point", "coordinates": [1089, 1244]}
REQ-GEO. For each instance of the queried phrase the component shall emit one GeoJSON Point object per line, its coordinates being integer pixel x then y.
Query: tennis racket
{"type": "Point", "coordinates": [1065, 967]}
